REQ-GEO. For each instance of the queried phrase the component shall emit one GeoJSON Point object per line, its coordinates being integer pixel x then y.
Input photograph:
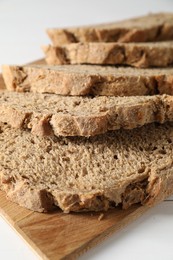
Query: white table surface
{"type": "Point", "coordinates": [22, 32]}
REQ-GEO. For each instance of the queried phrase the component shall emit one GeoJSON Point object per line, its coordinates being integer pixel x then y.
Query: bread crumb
{"type": "Point", "coordinates": [101, 216]}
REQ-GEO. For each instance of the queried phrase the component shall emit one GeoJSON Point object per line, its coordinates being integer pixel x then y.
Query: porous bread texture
{"type": "Point", "coordinates": [88, 80]}
{"type": "Point", "coordinates": [118, 168]}
{"type": "Point", "coordinates": [152, 27]}
{"type": "Point", "coordinates": [141, 55]}
{"type": "Point", "coordinates": [47, 114]}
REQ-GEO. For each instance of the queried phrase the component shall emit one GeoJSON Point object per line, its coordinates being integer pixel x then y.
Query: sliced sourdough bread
{"type": "Point", "coordinates": [47, 114]}
{"type": "Point", "coordinates": [142, 55]}
{"type": "Point", "coordinates": [88, 80]}
{"type": "Point", "coordinates": [152, 27]}
{"type": "Point", "coordinates": [118, 168]}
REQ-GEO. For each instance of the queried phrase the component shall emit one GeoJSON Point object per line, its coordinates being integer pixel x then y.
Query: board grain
{"type": "Point", "coordinates": [64, 236]}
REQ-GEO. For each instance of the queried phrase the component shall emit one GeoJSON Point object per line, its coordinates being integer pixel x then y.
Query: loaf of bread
{"type": "Point", "coordinates": [47, 114]}
{"type": "Point", "coordinates": [152, 27]}
{"type": "Point", "coordinates": [118, 168]}
{"type": "Point", "coordinates": [46, 159]}
{"type": "Point", "coordinates": [88, 80]}
{"type": "Point", "coordinates": [142, 55]}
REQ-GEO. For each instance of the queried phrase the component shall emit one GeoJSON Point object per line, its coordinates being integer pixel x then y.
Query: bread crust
{"type": "Point", "coordinates": [82, 80]}
{"type": "Point", "coordinates": [140, 55]}
{"type": "Point", "coordinates": [152, 27]}
{"type": "Point", "coordinates": [48, 114]}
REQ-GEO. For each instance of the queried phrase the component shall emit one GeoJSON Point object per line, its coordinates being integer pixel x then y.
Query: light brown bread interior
{"type": "Point", "coordinates": [152, 27]}
{"type": "Point", "coordinates": [118, 168]}
{"type": "Point", "coordinates": [142, 55]}
{"type": "Point", "coordinates": [88, 80]}
{"type": "Point", "coordinates": [47, 114]}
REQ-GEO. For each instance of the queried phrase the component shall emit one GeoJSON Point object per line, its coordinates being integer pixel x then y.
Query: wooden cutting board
{"type": "Point", "coordinates": [64, 236]}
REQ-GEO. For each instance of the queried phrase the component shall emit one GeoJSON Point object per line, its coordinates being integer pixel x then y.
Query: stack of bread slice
{"type": "Point", "coordinates": [82, 133]}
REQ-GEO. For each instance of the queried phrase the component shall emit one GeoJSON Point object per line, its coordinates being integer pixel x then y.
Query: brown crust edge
{"type": "Point", "coordinates": [95, 34]}
{"type": "Point", "coordinates": [140, 56]}
{"type": "Point", "coordinates": [159, 109]}
{"type": "Point", "coordinates": [21, 79]}
{"type": "Point", "coordinates": [148, 191]}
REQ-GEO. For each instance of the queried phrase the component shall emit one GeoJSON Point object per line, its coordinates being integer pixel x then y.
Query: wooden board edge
{"type": "Point", "coordinates": [102, 237]}
{"type": "Point", "coordinates": [19, 231]}
{"type": "Point", "coordinates": [85, 246]}
{"type": "Point", "coordinates": [25, 238]}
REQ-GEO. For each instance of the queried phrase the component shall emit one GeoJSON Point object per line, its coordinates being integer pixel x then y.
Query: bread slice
{"type": "Point", "coordinates": [141, 55]}
{"type": "Point", "coordinates": [88, 80]}
{"type": "Point", "coordinates": [47, 114]}
{"type": "Point", "coordinates": [118, 168]}
{"type": "Point", "coordinates": [152, 27]}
